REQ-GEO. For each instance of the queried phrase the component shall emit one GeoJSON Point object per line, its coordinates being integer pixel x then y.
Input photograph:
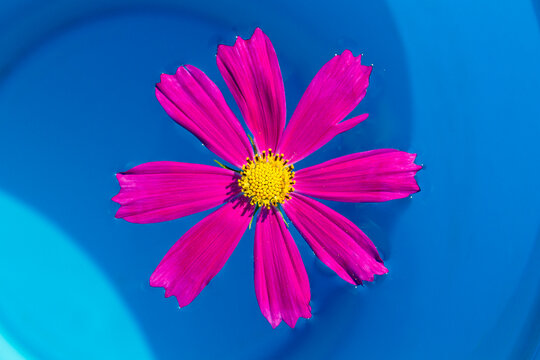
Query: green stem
{"type": "Point", "coordinates": [282, 216]}
{"type": "Point", "coordinates": [226, 167]}
{"type": "Point", "coordinates": [255, 152]}
{"type": "Point", "coordinates": [254, 212]}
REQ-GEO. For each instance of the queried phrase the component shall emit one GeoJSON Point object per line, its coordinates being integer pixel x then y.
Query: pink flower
{"type": "Point", "coordinates": [267, 182]}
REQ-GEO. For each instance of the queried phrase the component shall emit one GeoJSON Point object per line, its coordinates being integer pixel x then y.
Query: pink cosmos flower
{"type": "Point", "coordinates": [264, 182]}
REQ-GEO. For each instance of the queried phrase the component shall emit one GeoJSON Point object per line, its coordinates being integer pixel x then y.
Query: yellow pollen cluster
{"type": "Point", "coordinates": [267, 179]}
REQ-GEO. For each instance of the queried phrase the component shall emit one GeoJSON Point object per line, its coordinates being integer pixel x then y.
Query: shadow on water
{"type": "Point", "coordinates": [63, 159]}
{"type": "Point", "coordinates": [528, 341]}
{"type": "Point", "coordinates": [536, 6]}
{"type": "Point", "coordinates": [327, 330]}
{"type": "Point", "coordinates": [517, 308]}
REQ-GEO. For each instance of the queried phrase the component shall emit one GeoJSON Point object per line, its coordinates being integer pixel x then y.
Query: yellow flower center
{"type": "Point", "coordinates": [267, 179]}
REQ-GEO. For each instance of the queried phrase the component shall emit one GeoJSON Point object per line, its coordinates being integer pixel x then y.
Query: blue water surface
{"type": "Point", "coordinates": [457, 82]}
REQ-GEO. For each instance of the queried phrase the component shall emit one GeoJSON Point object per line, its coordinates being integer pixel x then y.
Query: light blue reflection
{"type": "Point", "coordinates": [55, 302]}
{"type": "Point", "coordinates": [8, 352]}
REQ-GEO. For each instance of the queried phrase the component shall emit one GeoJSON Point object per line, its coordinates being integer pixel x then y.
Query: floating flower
{"type": "Point", "coordinates": [262, 181]}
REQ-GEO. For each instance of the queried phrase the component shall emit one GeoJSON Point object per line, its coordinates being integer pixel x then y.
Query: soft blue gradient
{"type": "Point", "coordinates": [8, 352]}
{"type": "Point", "coordinates": [55, 302]}
{"type": "Point", "coordinates": [457, 82]}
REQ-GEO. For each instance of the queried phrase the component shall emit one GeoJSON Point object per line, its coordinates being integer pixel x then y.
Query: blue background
{"type": "Point", "coordinates": [457, 82]}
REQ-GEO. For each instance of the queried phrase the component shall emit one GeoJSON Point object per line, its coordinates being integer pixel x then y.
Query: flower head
{"type": "Point", "coordinates": [262, 180]}
{"type": "Point", "coordinates": [267, 179]}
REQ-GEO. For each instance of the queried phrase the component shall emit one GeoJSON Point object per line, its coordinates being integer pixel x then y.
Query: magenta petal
{"type": "Point", "coordinates": [372, 176]}
{"type": "Point", "coordinates": [335, 91]}
{"type": "Point", "coordinates": [281, 282]}
{"type": "Point", "coordinates": [195, 102]}
{"type": "Point", "coordinates": [201, 253]}
{"type": "Point", "coordinates": [251, 70]}
{"type": "Point", "coordinates": [165, 190]}
{"type": "Point", "coordinates": [336, 241]}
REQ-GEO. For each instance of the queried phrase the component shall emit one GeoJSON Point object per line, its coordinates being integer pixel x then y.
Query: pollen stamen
{"type": "Point", "coordinates": [267, 180]}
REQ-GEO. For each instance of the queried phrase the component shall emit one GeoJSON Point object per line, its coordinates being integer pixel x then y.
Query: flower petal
{"type": "Point", "coordinates": [251, 70]}
{"type": "Point", "coordinates": [335, 91]}
{"type": "Point", "coordinates": [166, 190]}
{"type": "Point", "coordinates": [281, 282]}
{"type": "Point", "coordinates": [201, 253]}
{"type": "Point", "coordinates": [196, 103]}
{"type": "Point", "coordinates": [372, 176]}
{"type": "Point", "coordinates": [336, 241]}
